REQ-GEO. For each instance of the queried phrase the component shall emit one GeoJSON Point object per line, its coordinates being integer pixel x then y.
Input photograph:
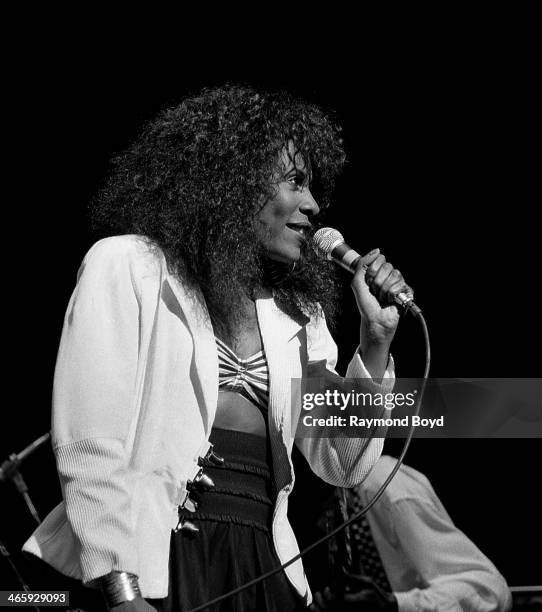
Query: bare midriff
{"type": "Point", "coordinates": [235, 412]}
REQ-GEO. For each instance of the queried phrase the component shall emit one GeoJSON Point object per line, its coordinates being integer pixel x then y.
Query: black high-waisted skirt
{"type": "Point", "coordinates": [234, 544]}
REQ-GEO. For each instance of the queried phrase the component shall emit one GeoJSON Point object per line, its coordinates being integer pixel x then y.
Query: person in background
{"type": "Point", "coordinates": [407, 554]}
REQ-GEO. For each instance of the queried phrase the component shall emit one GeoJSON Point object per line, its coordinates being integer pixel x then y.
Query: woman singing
{"type": "Point", "coordinates": [173, 410]}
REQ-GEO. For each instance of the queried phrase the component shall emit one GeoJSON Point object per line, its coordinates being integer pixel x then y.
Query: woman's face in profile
{"type": "Point", "coordinates": [284, 221]}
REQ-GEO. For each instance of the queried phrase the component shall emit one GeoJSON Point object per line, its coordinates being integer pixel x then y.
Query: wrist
{"type": "Point", "coordinates": [372, 340]}
{"type": "Point", "coordinates": [375, 332]}
{"type": "Point", "coordinates": [118, 587]}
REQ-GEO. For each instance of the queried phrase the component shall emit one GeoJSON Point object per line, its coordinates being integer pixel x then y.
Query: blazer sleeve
{"type": "Point", "coordinates": [342, 461]}
{"type": "Point", "coordinates": [94, 407]}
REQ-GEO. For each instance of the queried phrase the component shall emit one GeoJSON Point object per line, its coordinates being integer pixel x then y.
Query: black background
{"type": "Point", "coordinates": [441, 169]}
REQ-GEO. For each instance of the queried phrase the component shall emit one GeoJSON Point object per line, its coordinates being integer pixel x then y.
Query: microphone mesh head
{"type": "Point", "coordinates": [326, 239]}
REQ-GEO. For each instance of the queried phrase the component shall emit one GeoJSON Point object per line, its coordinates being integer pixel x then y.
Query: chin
{"type": "Point", "coordinates": [286, 258]}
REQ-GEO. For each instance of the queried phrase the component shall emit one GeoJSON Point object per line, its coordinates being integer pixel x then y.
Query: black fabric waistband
{"type": "Point", "coordinates": [243, 491]}
{"type": "Point", "coordinates": [240, 448]}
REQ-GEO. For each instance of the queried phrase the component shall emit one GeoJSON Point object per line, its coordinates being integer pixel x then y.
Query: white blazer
{"type": "Point", "coordinates": [134, 399]}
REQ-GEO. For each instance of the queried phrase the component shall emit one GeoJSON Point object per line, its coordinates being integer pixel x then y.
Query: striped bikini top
{"type": "Point", "coordinates": [248, 377]}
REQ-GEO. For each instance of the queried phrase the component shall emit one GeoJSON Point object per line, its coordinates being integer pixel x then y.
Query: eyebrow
{"type": "Point", "coordinates": [304, 171]}
{"type": "Point", "coordinates": [289, 165]}
{"type": "Point", "coordinates": [295, 169]}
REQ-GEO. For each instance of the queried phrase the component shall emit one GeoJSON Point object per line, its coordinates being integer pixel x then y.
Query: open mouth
{"type": "Point", "coordinates": [301, 229]}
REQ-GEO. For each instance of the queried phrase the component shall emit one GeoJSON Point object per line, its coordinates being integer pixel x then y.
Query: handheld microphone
{"type": "Point", "coordinates": [330, 244]}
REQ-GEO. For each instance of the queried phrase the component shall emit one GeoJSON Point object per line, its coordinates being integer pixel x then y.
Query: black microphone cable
{"type": "Point", "coordinates": [418, 314]}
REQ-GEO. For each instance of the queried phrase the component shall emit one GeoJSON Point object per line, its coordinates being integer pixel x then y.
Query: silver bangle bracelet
{"type": "Point", "coordinates": [118, 587]}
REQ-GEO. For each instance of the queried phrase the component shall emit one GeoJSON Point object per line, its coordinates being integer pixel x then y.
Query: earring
{"type": "Point", "coordinates": [279, 274]}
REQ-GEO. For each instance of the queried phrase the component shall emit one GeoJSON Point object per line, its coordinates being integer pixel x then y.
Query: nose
{"type": "Point", "coordinates": [309, 206]}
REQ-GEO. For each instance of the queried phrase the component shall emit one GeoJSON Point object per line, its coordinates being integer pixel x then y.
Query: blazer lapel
{"type": "Point", "coordinates": [205, 374]}
{"type": "Point", "coordinates": [282, 349]}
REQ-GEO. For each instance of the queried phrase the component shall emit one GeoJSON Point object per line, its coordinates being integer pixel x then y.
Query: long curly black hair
{"type": "Point", "coordinates": [195, 178]}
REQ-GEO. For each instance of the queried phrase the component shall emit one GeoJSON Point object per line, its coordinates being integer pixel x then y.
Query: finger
{"type": "Point", "coordinates": [365, 274]}
{"type": "Point", "coordinates": [375, 266]}
{"type": "Point", "coordinates": [381, 277]}
{"type": "Point", "coordinates": [394, 278]}
{"type": "Point", "coordinates": [397, 288]}
{"type": "Point", "coordinates": [409, 291]}
{"type": "Point", "coordinates": [393, 285]}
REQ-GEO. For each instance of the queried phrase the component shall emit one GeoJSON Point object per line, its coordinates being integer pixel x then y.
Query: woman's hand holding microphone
{"type": "Point", "coordinates": [375, 283]}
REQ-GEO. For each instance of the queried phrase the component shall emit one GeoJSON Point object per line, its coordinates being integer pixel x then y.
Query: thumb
{"type": "Point", "coordinates": [367, 260]}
